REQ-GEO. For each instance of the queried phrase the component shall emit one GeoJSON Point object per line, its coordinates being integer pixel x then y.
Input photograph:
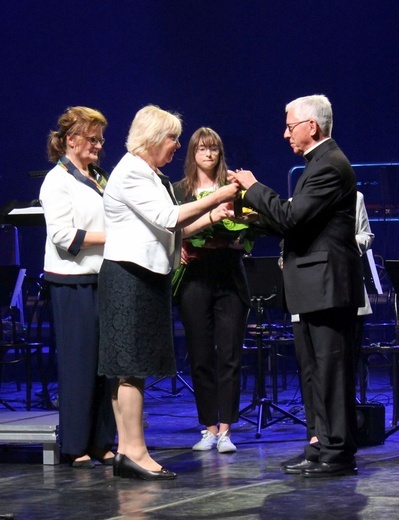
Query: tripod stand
{"type": "Point", "coordinates": [264, 277]}
{"type": "Point", "coordinates": [174, 392]}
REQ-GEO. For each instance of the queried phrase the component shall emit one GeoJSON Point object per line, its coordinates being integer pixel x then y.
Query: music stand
{"type": "Point", "coordinates": [9, 285]}
{"type": "Point", "coordinates": [265, 282]}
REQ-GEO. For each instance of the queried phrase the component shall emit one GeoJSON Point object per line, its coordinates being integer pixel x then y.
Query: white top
{"type": "Point", "coordinates": [364, 239]}
{"type": "Point", "coordinates": [138, 215]}
{"type": "Point", "coordinates": [364, 236]}
{"type": "Point", "coordinates": [70, 208]}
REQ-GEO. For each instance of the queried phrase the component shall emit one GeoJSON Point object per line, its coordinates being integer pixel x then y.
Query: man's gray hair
{"type": "Point", "coordinates": [316, 107]}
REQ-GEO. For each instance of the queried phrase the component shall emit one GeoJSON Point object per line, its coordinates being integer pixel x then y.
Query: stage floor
{"type": "Point", "coordinates": [248, 484]}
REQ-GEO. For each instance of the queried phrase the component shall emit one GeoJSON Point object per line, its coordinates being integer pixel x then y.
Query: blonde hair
{"type": "Point", "coordinates": [75, 120]}
{"type": "Point", "coordinates": [149, 128]}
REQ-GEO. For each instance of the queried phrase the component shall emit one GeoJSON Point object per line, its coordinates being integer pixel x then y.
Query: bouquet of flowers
{"type": "Point", "coordinates": [227, 230]}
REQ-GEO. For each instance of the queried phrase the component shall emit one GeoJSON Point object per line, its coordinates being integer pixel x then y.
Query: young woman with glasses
{"type": "Point", "coordinates": [213, 296]}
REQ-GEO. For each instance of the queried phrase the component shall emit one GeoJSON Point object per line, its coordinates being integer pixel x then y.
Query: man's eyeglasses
{"type": "Point", "coordinates": [290, 126]}
{"type": "Point", "coordinates": [203, 149]}
{"type": "Point", "coordinates": [95, 140]}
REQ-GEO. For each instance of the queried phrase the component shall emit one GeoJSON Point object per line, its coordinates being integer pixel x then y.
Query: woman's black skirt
{"type": "Point", "coordinates": [136, 328]}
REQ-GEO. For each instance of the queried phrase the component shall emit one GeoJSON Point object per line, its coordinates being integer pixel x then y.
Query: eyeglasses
{"type": "Point", "coordinates": [203, 149]}
{"type": "Point", "coordinates": [95, 140]}
{"type": "Point", "coordinates": [290, 126]}
{"type": "Point", "coordinates": [174, 137]}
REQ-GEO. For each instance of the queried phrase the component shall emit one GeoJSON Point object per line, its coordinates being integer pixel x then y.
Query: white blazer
{"type": "Point", "coordinates": [138, 215]}
{"type": "Point", "coordinates": [70, 207]}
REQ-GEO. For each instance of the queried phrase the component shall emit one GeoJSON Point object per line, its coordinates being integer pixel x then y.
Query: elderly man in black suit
{"type": "Point", "coordinates": [322, 279]}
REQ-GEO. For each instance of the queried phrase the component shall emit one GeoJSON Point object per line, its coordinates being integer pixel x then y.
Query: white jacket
{"type": "Point", "coordinates": [364, 239]}
{"type": "Point", "coordinates": [138, 213]}
{"type": "Point", "coordinates": [70, 208]}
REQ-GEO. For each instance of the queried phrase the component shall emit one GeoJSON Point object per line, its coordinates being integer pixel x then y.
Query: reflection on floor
{"type": "Point", "coordinates": [248, 484]}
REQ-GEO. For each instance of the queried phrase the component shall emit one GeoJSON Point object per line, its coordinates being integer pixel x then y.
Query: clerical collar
{"type": "Point", "coordinates": [306, 155]}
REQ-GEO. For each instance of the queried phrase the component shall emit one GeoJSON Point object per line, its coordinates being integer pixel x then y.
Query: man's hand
{"type": "Point", "coordinates": [245, 178]}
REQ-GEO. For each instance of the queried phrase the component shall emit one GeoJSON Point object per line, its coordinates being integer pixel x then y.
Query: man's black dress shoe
{"type": "Point", "coordinates": [294, 460]}
{"type": "Point", "coordinates": [329, 469]}
{"type": "Point", "coordinates": [129, 469]}
{"type": "Point", "coordinates": [296, 467]}
{"type": "Point", "coordinates": [117, 464]}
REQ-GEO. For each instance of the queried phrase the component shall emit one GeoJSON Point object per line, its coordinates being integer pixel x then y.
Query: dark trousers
{"type": "Point", "coordinates": [85, 408]}
{"type": "Point", "coordinates": [325, 349]}
{"type": "Point", "coordinates": [214, 320]}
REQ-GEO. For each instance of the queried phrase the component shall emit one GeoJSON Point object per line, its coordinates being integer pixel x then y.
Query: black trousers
{"type": "Point", "coordinates": [326, 353]}
{"type": "Point", "coordinates": [85, 407]}
{"type": "Point", "coordinates": [214, 320]}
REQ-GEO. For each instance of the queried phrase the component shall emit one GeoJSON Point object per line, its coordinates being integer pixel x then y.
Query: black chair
{"type": "Point", "coordinates": [40, 330]}
{"type": "Point", "coordinates": [17, 342]}
{"type": "Point", "coordinates": [388, 351]}
{"type": "Point", "coordinates": [9, 256]}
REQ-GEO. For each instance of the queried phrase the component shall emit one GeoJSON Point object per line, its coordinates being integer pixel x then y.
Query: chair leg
{"type": "Point", "coordinates": [17, 380]}
{"type": "Point", "coordinates": [28, 379]}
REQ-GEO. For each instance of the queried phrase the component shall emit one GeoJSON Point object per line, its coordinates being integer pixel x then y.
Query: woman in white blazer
{"type": "Point", "coordinates": [144, 227]}
{"type": "Point", "coordinates": [71, 196]}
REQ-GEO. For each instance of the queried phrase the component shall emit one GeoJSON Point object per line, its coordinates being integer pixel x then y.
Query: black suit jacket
{"type": "Point", "coordinates": [322, 266]}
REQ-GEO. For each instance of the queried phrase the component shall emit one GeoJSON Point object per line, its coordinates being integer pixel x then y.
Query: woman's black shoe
{"type": "Point", "coordinates": [83, 464]}
{"type": "Point", "coordinates": [129, 469]}
{"type": "Point", "coordinates": [80, 464]}
{"type": "Point", "coordinates": [97, 453]}
{"type": "Point", "coordinates": [117, 464]}
{"type": "Point", "coordinates": [108, 461]}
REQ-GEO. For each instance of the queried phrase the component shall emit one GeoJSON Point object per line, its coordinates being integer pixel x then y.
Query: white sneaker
{"type": "Point", "coordinates": [207, 442]}
{"type": "Point", "coordinates": [224, 444]}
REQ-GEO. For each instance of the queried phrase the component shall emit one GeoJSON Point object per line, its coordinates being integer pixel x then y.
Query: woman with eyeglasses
{"type": "Point", "coordinates": [213, 295]}
{"type": "Point", "coordinates": [71, 196]}
{"type": "Point", "coordinates": [144, 226]}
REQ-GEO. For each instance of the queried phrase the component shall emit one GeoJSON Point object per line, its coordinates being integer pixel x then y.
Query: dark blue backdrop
{"type": "Point", "coordinates": [232, 65]}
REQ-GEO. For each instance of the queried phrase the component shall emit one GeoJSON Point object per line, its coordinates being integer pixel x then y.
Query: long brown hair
{"type": "Point", "coordinates": [207, 137]}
